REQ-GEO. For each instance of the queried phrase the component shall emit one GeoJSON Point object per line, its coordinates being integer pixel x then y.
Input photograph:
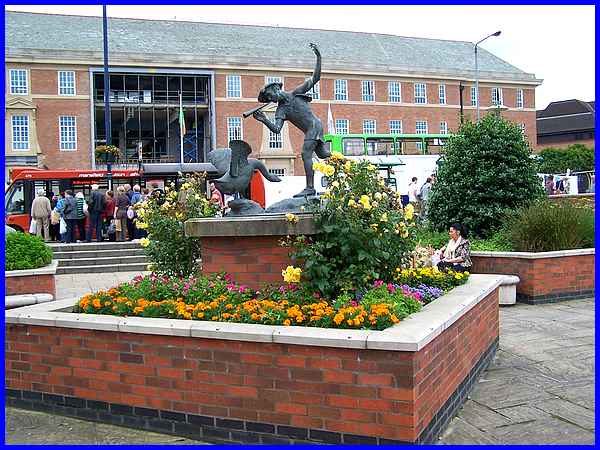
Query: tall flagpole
{"type": "Point", "coordinates": [107, 125]}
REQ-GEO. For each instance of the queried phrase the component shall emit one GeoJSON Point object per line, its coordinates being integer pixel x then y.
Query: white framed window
{"type": "Point", "coordinates": [20, 132]}
{"type": "Point", "coordinates": [342, 126]}
{"type": "Point", "coordinates": [394, 92]}
{"type": "Point", "coordinates": [395, 126]}
{"type": "Point", "coordinates": [275, 139]}
{"type": "Point", "coordinates": [442, 93]}
{"type": "Point", "coordinates": [443, 127]}
{"type": "Point", "coordinates": [341, 90]}
{"type": "Point", "coordinates": [234, 86]}
{"type": "Point", "coordinates": [278, 172]}
{"type": "Point", "coordinates": [421, 127]}
{"type": "Point", "coordinates": [273, 79]}
{"type": "Point", "coordinates": [473, 96]}
{"type": "Point", "coordinates": [234, 129]}
{"type": "Point", "coordinates": [66, 82]}
{"type": "Point", "coordinates": [520, 103]}
{"type": "Point", "coordinates": [315, 91]}
{"type": "Point", "coordinates": [369, 126]}
{"type": "Point", "coordinates": [18, 81]}
{"type": "Point", "coordinates": [420, 93]}
{"type": "Point", "coordinates": [368, 91]}
{"type": "Point", "coordinates": [497, 96]}
{"type": "Point", "coordinates": [522, 127]}
{"type": "Point", "coordinates": [68, 132]}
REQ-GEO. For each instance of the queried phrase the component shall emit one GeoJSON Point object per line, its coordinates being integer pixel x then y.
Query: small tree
{"type": "Point", "coordinates": [486, 169]}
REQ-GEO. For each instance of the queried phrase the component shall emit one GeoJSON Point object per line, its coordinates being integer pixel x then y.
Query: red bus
{"type": "Point", "coordinates": [26, 181]}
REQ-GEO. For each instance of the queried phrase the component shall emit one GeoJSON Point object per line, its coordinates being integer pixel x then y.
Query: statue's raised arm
{"type": "Point", "coordinates": [316, 76]}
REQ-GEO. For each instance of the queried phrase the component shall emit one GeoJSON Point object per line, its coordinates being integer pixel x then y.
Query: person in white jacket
{"type": "Point", "coordinates": [40, 213]}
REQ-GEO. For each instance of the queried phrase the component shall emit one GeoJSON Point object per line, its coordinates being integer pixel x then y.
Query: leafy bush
{"type": "Point", "coordinates": [25, 251]}
{"type": "Point", "coordinates": [364, 234]}
{"type": "Point", "coordinates": [486, 168]}
{"type": "Point", "coordinates": [497, 241]}
{"type": "Point", "coordinates": [546, 226]}
{"type": "Point", "coordinates": [167, 247]}
{"type": "Point", "coordinates": [576, 157]}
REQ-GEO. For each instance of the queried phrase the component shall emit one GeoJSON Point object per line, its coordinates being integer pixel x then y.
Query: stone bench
{"type": "Point", "coordinates": [15, 301]}
{"type": "Point", "coordinates": [507, 294]}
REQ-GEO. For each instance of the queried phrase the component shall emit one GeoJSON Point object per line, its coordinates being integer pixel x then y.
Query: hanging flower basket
{"type": "Point", "coordinates": [108, 153]}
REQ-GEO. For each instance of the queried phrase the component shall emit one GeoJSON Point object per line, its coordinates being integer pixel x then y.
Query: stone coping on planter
{"type": "Point", "coordinates": [411, 334]}
{"type": "Point", "coordinates": [261, 225]}
{"type": "Point", "coordinates": [536, 255]}
{"type": "Point", "coordinates": [50, 269]}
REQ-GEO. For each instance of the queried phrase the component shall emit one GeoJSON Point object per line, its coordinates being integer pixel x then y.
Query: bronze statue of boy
{"type": "Point", "coordinates": [293, 106]}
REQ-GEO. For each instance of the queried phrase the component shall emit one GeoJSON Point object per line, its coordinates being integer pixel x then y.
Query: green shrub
{"type": "Point", "coordinates": [498, 241]}
{"type": "Point", "coordinates": [25, 251]}
{"type": "Point", "coordinates": [546, 226]}
{"type": "Point", "coordinates": [486, 169]}
{"type": "Point", "coordinates": [576, 157]}
{"type": "Point", "coordinates": [427, 237]}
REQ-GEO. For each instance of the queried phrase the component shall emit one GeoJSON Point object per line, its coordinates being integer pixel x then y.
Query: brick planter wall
{"type": "Point", "coordinates": [545, 277]}
{"type": "Point", "coordinates": [34, 281]}
{"type": "Point", "coordinates": [261, 392]}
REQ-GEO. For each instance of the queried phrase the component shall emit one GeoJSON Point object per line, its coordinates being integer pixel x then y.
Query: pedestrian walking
{"type": "Point", "coordinates": [54, 219]}
{"type": "Point", "coordinates": [40, 213]}
{"type": "Point", "coordinates": [121, 206]}
{"type": "Point", "coordinates": [136, 196]}
{"type": "Point", "coordinates": [70, 216]}
{"type": "Point", "coordinates": [81, 213]}
{"type": "Point", "coordinates": [95, 210]}
{"type": "Point", "coordinates": [412, 191]}
{"type": "Point", "coordinates": [424, 196]}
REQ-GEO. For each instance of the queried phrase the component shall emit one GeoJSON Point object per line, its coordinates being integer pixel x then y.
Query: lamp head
{"type": "Point", "coordinates": [497, 33]}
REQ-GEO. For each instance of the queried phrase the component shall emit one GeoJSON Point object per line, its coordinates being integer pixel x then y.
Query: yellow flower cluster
{"type": "Point", "coordinates": [337, 156]}
{"type": "Point", "coordinates": [409, 211]}
{"type": "Point", "coordinates": [144, 242]}
{"type": "Point", "coordinates": [292, 218]}
{"type": "Point", "coordinates": [324, 168]}
{"type": "Point", "coordinates": [291, 274]}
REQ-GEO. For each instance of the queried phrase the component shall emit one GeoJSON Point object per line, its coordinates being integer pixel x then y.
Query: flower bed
{"type": "Point", "coordinates": [217, 298]}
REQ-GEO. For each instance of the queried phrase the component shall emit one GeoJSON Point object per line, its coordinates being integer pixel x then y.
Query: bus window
{"type": "Point", "coordinates": [16, 199]}
{"type": "Point", "coordinates": [380, 146]}
{"type": "Point", "coordinates": [353, 146]}
{"type": "Point", "coordinates": [411, 148]}
{"type": "Point", "coordinates": [436, 146]}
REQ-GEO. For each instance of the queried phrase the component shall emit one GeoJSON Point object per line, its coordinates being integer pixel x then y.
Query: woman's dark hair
{"type": "Point", "coordinates": [462, 229]}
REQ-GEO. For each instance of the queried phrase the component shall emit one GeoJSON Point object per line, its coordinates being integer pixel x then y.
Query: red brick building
{"type": "Point", "coordinates": [382, 83]}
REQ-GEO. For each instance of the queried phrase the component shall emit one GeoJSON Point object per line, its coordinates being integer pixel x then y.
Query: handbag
{"type": "Point", "coordinates": [32, 226]}
{"type": "Point", "coordinates": [112, 228]}
{"type": "Point", "coordinates": [63, 226]}
{"type": "Point", "coordinates": [117, 224]}
{"type": "Point", "coordinates": [54, 217]}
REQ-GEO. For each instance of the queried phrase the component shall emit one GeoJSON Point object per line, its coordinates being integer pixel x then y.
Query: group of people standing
{"type": "Point", "coordinates": [63, 217]}
{"type": "Point", "coordinates": [418, 196]}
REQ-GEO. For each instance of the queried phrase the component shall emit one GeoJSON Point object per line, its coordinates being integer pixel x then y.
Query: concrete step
{"type": "Point", "coordinates": [122, 259]}
{"type": "Point", "coordinates": [132, 267]}
{"type": "Point", "coordinates": [60, 255]}
{"type": "Point", "coordinates": [94, 246]}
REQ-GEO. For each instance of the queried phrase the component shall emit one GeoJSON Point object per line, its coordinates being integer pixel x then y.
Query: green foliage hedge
{"type": "Point", "coordinates": [486, 169]}
{"type": "Point", "coordinates": [25, 251]}
{"type": "Point", "coordinates": [576, 157]}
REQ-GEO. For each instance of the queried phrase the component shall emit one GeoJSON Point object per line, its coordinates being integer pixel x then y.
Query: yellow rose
{"type": "Point", "coordinates": [144, 242]}
{"type": "Point", "coordinates": [335, 184]}
{"type": "Point", "coordinates": [337, 156]}
{"type": "Point", "coordinates": [291, 218]}
{"type": "Point", "coordinates": [351, 202]}
{"type": "Point", "coordinates": [291, 274]}
{"type": "Point", "coordinates": [409, 212]}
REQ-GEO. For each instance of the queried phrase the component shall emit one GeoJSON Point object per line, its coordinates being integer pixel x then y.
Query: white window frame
{"type": "Point", "coordinates": [274, 79]}
{"type": "Point", "coordinates": [417, 127]}
{"type": "Point", "coordinates": [369, 121]}
{"type": "Point", "coordinates": [22, 133]}
{"type": "Point", "coordinates": [340, 89]}
{"type": "Point", "coordinates": [442, 94]}
{"type": "Point", "coordinates": [70, 130]}
{"type": "Point", "coordinates": [473, 96]}
{"type": "Point", "coordinates": [339, 126]}
{"type": "Point", "coordinates": [399, 128]}
{"type": "Point", "coordinates": [368, 90]}
{"type": "Point", "coordinates": [421, 100]}
{"type": "Point", "coordinates": [12, 87]}
{"type": "Point", "coordinates": [280, 172]}
{"type": "Point", "coordinates": [393, 96]}
{"type": "Point", "coordinates": [444, 127]}
{"type": "Point", "coordinates": [498, 90]}
{"type": "Point", "coordinates": [275, 139]}
{"type": "Point", "coordinates": [231, 127]}
{"type": "Point", "coordinates": [315, 91]}
{"type": "Point", "coordinates": [63, 89]}
{"type": "Point", "coordinates": [522, 127]}
{"type": "Point", "coordinates": [230, 88]}
{"type": "Point", "coordinates": [520, 103]}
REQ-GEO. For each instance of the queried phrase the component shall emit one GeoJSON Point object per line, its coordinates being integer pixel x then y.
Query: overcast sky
{"type": "Point", "coordinates": [556, 43]}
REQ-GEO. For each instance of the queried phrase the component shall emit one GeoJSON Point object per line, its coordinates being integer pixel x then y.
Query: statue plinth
{"type": "Point", "coordinates": [248, 247]}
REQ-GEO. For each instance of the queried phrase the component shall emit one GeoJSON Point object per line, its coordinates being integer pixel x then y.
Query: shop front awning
{"type": "Point", "coordinates": [173, 168]}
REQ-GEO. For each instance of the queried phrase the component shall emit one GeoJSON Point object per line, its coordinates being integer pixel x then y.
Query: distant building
{"type": "Point", "coordinates": [565, 123]}
{"type": "Point", "coordinates": [374, 83]}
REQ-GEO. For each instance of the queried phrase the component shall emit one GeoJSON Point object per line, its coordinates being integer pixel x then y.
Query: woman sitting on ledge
{"type": "Point", "coordinates": [456, 254]}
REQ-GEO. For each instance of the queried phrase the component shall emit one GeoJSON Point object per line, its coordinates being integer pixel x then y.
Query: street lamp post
{"type": "Point", "coordinates": [497, 33]}
{"type": "Point", "coordinates": [107, 130]}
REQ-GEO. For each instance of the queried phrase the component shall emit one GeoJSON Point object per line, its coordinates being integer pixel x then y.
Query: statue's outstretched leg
{"type": "Point", "coordinates": [307, 151]}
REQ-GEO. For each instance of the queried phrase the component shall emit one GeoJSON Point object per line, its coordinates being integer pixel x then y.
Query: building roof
{"type": "Point", "coordinates": [211, 45]}
{"type": "Point", "coordinates": [566, 116]}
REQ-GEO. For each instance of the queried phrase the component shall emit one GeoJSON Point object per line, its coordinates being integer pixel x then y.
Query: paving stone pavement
{"type": "Point", "coordinates": [538, 390]}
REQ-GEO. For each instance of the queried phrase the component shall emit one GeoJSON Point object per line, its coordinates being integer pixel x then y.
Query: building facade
{"type": "Point", "coordinates": [211, 73]}
{"type": "Point", "coordinates": [565, 123]}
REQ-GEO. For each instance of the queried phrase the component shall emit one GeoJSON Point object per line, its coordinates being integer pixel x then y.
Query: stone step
{"type": "Point", "coordinates": [93, 246]}
{"type": "Point", "coordinates": [122, 259]}
{"type": "Point", "coordinates": [83, 254]}
{"type": "Point", "coordinates": [133, 267]}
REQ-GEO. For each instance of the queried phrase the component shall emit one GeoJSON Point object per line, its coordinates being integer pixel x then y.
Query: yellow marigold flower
{"type": "Point", "coordinates": [291, 274]}
{"type": "Point", "coordinates": [144, 242]}
{"type": "Point", "coordinates": [291, 218]}
{"type": "Point", "coordinates": [328, 170]}
{"type": "Point", "coordinates": [351, 202]}
{"type": "Point", "coordinates": [348, 166]}
{"type": "Point", "coordinates": [287, 322]}
{"type": "Point", "coordinates": [96, 303]}
{"type": "Point", "coordinates": [365, 202]}
{"type": "Point", "coordinates": [179, 216]}
{"type": "Point", "coordinates": [409, 212]}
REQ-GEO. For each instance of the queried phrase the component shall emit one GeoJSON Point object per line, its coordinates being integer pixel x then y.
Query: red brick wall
{"type": "Point", "coordinates": [32, 284]}
{"type": "Point", "coordinates": [542, 276]}
{"type": "Point", "coordinates": [388, 394]}
{"type": "Point", "coordinates": [252, 260]}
